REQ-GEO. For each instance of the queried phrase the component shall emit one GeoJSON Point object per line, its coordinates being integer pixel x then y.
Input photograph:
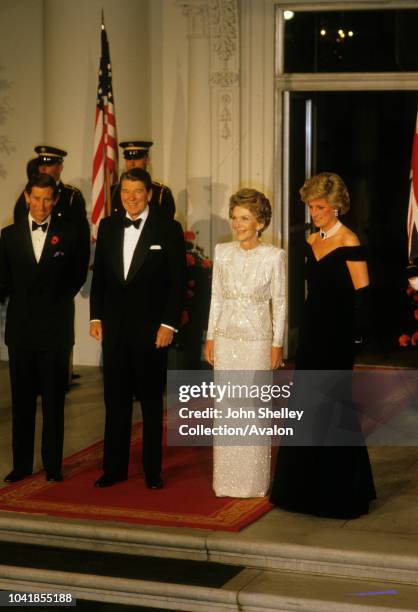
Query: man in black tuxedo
{"type": "Point", "coordinates": [70, 203]}
{"type": "Point", "coordinates": [43, 264]}
{"type": "Point", "coordinates": [135, 305]}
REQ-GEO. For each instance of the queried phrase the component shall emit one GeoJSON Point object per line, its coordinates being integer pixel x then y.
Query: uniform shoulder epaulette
{"type": "Point", "coordinates": [71, 187]}
{"type": "Point", "coordinates": [159, 184]}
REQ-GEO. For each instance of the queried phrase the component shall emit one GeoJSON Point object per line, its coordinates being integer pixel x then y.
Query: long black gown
{"type": "Point", "coordinates": [330, 481]}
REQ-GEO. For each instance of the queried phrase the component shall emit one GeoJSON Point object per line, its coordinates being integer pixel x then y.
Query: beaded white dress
{"type": "Point", "coordinates": [247, 315]}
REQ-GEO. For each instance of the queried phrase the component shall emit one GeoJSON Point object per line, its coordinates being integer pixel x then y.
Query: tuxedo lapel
{"type": "Point", "coordinates": [53, 242]}
{"type": "Point", "coordinates": [116, 249]}
{"type": "Point", "coordinates": [23, 244]}
{"type": "Point", "coordinates": [142, 247]}
{"type": "Point", "coordinates": [25, 241]}
{"type": "Point", "coordinates": [48, 246]}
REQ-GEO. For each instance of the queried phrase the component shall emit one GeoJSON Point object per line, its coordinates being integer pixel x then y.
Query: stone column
{"type": "Point", "coordinates": [199, 195]}
{"type": "Point", "coordinates": [213, 119]}
{"type": "Point", "coordinates": [259, 165]}
{"type": "Point", "coordinates": [225, 116]}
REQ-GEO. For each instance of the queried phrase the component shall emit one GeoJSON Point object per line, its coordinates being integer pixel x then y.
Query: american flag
{"type": "Point", "coordinates": [105, 160]}
{"type": "Point", "coordinates": [412, 221]}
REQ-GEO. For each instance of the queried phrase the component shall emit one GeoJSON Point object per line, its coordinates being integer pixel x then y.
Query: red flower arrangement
{"type": "Point", "coordinates": [404, 340]}
{"type": "Point", "coordinates": [206, 263]}
{"type": "Point", "coordinates": [184, 318]}
{"type": "Point", "coordinates": [411, 338]}
{"type": "Point", "coordinates": [55, 240]}
{"type": "Point", "coordinates": [190, 259]}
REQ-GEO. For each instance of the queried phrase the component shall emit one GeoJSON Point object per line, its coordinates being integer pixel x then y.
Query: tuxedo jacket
{"type": "Point", "coordinates": [153, 292]}
{"type": "Point", "coordinates": [40, 312]}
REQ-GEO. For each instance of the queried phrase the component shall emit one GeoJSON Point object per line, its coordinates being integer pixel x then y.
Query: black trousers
{"type": "Point", "coordinates": [133, 370]}
{"type": "Point", "coordinates": [33, 373]}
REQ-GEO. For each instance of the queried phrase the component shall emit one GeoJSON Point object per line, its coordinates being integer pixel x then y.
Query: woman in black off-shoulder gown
{"type": "Point", "coordinates": [325, 479]}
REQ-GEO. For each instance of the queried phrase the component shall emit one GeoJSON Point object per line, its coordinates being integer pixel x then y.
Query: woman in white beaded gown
{"type": "Point", "coordinates": [245, 331]}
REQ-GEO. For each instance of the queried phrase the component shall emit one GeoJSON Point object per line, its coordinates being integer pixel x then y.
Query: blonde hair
{"type": "Point", "coordinates": [254, 201]}
{"type": "Point", "coordinates": [328, 186]}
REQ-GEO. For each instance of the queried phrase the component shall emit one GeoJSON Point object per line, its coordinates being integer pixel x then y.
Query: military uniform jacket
{"type": "Point", "coordinates": [40, 312]}
{"type": "Point", "coordinates": [162, 198]}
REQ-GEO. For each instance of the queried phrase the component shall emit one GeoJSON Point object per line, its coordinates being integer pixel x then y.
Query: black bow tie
{"type": "Point", "coordinates": [43, 226]}
{"type": "Point", "coordinates": [128, 222]}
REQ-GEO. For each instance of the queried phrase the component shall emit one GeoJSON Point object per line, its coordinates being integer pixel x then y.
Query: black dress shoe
{"type": "Point", "coordinates": [154, 483]}
{"type": "Point", "coordinates": [16, 475]}
{"type": "Point", "coordinates": [54, 477]}
{"type": "Point", "coordinates": [107, 480]}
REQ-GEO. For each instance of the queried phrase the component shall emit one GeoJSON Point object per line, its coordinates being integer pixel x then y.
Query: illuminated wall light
{"type": "Point", "coordinates": [288, 15]}
{"type": "Point", "coordinates": [350, 33]}
{"type": "Point", "coordinates": [323, 32]}
{"type": "Point", "coordinates": [341, 33]}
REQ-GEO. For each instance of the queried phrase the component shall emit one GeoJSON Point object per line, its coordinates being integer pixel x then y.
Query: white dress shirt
{"type": "Point", "coordinates": [130, 240]}
{"type": "Point", "coordinates": [38, 236]}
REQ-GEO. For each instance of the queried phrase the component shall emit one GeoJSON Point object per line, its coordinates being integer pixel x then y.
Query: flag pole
{"type": "Point", "coordinates": [105, 157]}
{"type": "Point", "coordinates": [412, 216]}
{"type": "Point", "coordinates": [106, 165]}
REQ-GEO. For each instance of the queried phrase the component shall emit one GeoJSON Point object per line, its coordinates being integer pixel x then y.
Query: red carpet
{"type": "Point", "coordinates": [187, 499]}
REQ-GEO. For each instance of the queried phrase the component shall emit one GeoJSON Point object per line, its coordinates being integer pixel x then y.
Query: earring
{"type": "Point", "coordinates": [336, 213]}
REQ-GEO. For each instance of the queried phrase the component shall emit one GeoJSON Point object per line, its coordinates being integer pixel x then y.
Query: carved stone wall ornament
{"type": "Point", "coordinates": [6, 146]}
{"type": "Point", "coordinates": [223, 19]}
{"type": "Point", "coordinates": [197, 13]}
{"type": "Point", "coordinates": [224, 39]}
{"type": "Point", "coordinates": [225, 116]}
{"type": "Point", "coordinates": [224, 79]}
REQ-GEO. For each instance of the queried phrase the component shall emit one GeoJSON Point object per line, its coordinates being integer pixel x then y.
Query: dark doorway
{"type": "Point", "coordinates": [366, 137]}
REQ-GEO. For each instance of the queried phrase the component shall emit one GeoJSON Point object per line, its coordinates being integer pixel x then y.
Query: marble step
{"type": "Point", "coordinates": [250, 591]}
{"type": "Point", "coordinates": [324, 551]}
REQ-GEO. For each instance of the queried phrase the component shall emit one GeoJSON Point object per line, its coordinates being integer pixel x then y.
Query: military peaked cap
{"type": "Point", "coordinates": [50, 155]}
{"type": "Point", "coordinates": [135, 149]}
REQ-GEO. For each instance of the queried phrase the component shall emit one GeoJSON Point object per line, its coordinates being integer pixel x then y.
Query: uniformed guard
{"type": "Point", "coordinates": [71, 204]}
{"type": "Point", "coordinates": [136, 154]}
{"type": "Point", "coordinates": [21, 207]}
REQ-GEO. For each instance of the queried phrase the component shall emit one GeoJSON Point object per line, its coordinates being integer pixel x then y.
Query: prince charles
{"type": "Point", "coordinates": [43, 264]}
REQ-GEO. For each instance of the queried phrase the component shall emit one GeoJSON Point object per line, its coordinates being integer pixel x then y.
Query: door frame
{"type": "Point", "coordinates": [317, 82]}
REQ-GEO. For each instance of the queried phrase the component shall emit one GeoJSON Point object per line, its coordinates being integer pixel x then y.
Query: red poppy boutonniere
{"type": "Point", "coordinates": [55, 240]}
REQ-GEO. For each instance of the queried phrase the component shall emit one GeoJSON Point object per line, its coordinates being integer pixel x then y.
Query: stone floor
{"type": "Point", "coordinates": [381, 548]}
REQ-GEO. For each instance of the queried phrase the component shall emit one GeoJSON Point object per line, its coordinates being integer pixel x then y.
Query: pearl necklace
{"type": "Point", "coordinates": [334, 229]}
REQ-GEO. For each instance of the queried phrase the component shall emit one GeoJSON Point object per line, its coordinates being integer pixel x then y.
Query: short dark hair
{"type": "Point", "coordinates": [137, 174]}
{"type": "Point", "coordinates": [41, 180]}
{"type": "Point", "coordinates": [32, 167]}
